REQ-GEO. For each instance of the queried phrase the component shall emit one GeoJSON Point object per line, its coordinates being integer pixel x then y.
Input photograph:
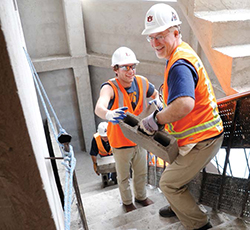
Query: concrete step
{"type": "Point", "coordinates": [104, 210]}
{"type": "Point", "coordinates": [233, 224]}
{"type": "Point", "coordinates": [148, 216]}
{"type": "Point", "coordinates": [215, 5]}
{"type": "Point", "coordinates": [102, 206]}
{"type": "Point", "coordinates": [223, 22]}
{"type": "Point", "coordinates": [223, 32]}
{"type": "Point", "coordinates": [224, 15]}
{"type": "Point", "coordinates": [93, 188]}
{"type": "Point", "coordinates": [240, 68]}
{"type": "Point", "coordinates": [235, 51]}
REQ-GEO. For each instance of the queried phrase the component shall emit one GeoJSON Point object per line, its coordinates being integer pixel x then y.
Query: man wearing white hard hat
{"type": "Point", "coordinates": [190, 114]}
{"type": "Point", "coordinates": [100, 146]}
{"type": "Point", "coordinates": [126, 92]}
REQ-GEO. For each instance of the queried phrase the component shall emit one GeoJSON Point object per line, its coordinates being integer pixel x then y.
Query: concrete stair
{"type": "Point", "coordinates": [222, 28]}
{"type": "Point", "coordinates": [104, 211]}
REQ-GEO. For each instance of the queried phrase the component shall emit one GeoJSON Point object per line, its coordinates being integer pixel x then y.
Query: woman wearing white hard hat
{"type": "Point", "coordinates": [190, 115]}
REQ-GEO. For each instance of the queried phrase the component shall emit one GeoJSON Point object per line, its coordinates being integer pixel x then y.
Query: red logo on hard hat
{"type": "Point", "coordinates": [174, 17]}
{"type": "Point", "coordinates": [150, 18]}
{"type": "Point", "coordinates": [127, 54]}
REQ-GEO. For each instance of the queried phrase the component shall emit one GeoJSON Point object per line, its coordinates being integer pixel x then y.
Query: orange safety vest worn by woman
{"type": "Point", "coordinates": [204, 121]}
{"type": "Point", "coordinates": [101, 149]}
{"type": "Point", "coordinates": [121, 98]}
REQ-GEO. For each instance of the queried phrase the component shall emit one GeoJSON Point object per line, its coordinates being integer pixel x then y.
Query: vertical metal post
{"type": "Point", "coordinates": [79, 201]}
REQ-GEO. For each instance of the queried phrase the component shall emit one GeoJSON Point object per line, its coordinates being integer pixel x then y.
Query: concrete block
{"type": "Point", "coordinates": [160, 144]}
{"type": "Point", "coordinates": [106, 164]}
{"type": "Point", "coordinates": [147, 111]}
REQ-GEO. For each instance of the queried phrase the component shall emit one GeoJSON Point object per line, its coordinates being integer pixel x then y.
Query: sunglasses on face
{"type": "Point", "coordinates": [127, 67]}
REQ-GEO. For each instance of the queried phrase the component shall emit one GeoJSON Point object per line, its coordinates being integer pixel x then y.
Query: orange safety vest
{"type": "Point", "coordinates": [114, 132]}
{"type": "Point", "coordinates": [101, 149]}
{"type": "Point", "coordinates": [203, 121]}
{"type": "Point", "coordinates": [159, 162]}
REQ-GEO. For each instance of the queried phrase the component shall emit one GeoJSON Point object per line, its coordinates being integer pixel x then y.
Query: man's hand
{"type": "Point", "coordinates": [157, 102]}
{"type": "Point", "coordinates": [95, 169]}
{"type": "Point", "coordinates": [148, 124]}
{"type": "Point", "coordinates": [116, 115]}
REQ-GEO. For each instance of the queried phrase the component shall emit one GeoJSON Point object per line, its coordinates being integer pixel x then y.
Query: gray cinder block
{"type": "Point", "coordinates": [160, 144]}
{"type": "Point", "coordinates": [106, 164]}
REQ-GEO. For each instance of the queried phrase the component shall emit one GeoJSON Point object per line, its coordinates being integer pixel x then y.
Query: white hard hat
{"type": "Point", "coordinates": [123, 56]}
{"type": "Point", "coordinates": [102, 129]}
{"type": "Point", "coordinates": [159, 18]}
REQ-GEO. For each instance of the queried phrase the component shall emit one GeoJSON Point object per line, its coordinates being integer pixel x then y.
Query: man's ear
{"type": "Point", "coordinates": [176, 33]}
{"type": "Point", "coordinates": [116, 67]}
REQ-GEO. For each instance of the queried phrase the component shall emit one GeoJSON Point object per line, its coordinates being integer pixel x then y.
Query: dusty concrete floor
{"type": "Point", "coordinates": [84, 169]}
{"type": "Point", "coordinates": [88, 183]}
{"type": "Point", "coordinates": [103, 207]}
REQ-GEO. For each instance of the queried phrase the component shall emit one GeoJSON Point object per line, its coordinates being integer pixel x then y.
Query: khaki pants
{"type": "Point", "coordinates": [136, 157]}
{"type": "Point", "coordinates": [176, 176]}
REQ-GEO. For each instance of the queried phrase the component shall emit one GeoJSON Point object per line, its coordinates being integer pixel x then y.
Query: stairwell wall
{"type": "Point", "coordinates": [111, 24]}
{"type": "Point", "coordinates": [29, 197]}
{"type": "Point", "coordinates": [71, 43]}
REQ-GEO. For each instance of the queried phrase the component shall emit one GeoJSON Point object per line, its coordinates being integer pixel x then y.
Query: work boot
{"type": "Point", "coordinates": [129, 207]}
{"type": "Point", "coordinates": [145, 202]}
{"type": "Point", "coordinates": [205, 227]}
{"type": "Point", "coordinates": [166, 211]}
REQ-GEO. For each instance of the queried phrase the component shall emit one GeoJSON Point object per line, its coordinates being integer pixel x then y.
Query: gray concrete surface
{"type": "Point", "coordinates": [75, 40]}
{"type": "Point", "coordinates": [227, 52]}
{"type": "Point", "coordinates": [54, 33]}
{"type": "Point", "coordinates": [161, 143]}
{"type": "Point", "coordinates": [55, 39]}
{"type": "Point", "coordinates": [106, 164]}
{"type": "Point", "coordinates": [104, 210]}
{"type": "Point", "coordinates": [28, 193]}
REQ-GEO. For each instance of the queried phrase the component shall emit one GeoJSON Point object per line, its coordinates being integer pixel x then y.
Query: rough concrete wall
{"type": "Point", "coordinates": [111, 24]}
{"type": "Point", "coordinates": [44, 27]}
{"type": "Point", "coordinates": [28, 196]}
{"type": "Point", "coordinates": [55, 40]}
{"type": "Point", "coordinates": [23, 199]}
{"type": "Point", "coordinates": [61, 90]}
{"type": "Point", "coordinates": [55, 37]}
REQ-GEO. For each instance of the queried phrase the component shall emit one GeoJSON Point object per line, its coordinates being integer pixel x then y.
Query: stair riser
{"type": "Point", "coordinates": [222, 34]}
{"type": "Point", "coordinates": [204, 5]}
{"type": "Point", "coordinates": [240, 74]}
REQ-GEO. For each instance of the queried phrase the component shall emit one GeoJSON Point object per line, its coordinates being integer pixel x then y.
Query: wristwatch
{"type": "Point", "coordinates": [155, 118]}
{"type": "Point", "coordinates": [160, 127]}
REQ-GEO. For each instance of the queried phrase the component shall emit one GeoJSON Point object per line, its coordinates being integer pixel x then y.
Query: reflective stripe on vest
{"type": "Point", "coordinates": [205, 115]}
{"type": "Point", "coordinates": [196, 129]}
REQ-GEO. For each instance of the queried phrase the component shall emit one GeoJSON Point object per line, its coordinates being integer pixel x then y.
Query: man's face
{"type": "Point", "coordinates": [126, 74]}
{"type": "Point", "coordinates": [163, 43]}
{"type": "Point", "coordinates": [104, 138]}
